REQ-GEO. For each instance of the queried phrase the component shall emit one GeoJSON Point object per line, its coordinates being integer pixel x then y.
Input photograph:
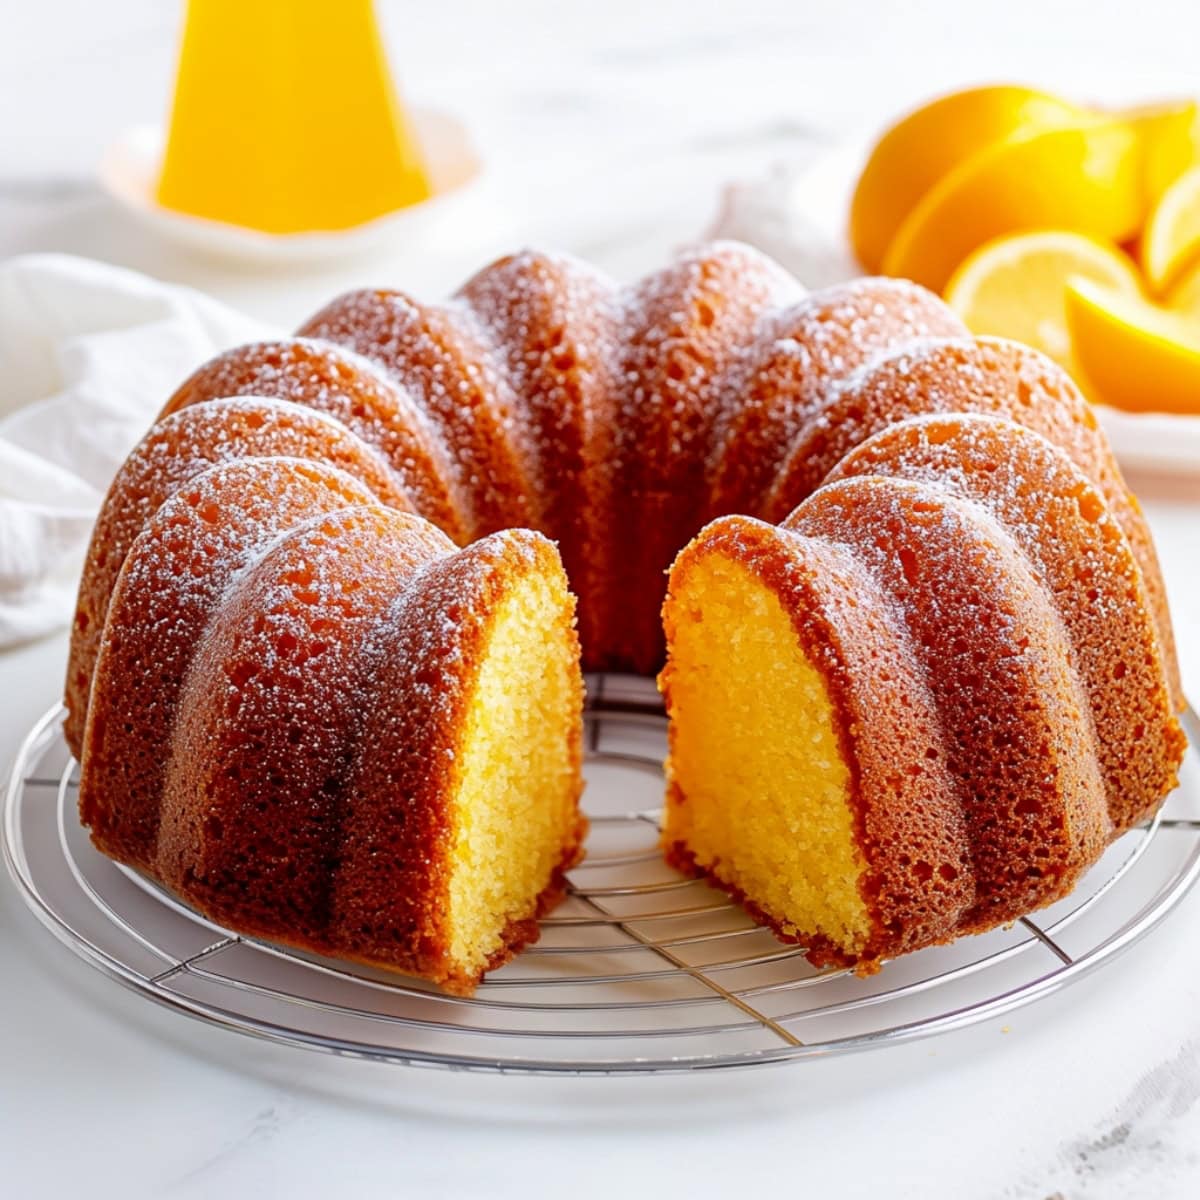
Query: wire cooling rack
{"type": "Point", "coordinates": [637, 971]}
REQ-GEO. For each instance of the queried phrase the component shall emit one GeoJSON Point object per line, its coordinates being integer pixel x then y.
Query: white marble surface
{"type": "Point", "coordinates": [609, 128]}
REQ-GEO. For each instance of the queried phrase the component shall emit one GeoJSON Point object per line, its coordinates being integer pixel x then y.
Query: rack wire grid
{"type": "Point", "coordinates": [637, 971]}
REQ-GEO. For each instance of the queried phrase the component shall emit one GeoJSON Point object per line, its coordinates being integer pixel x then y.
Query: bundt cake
{"type": "Point", "coordinates": [324, 676]}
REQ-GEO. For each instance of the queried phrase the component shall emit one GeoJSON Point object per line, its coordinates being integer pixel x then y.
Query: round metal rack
{"type": "Point", "coordinates": [637, 971]}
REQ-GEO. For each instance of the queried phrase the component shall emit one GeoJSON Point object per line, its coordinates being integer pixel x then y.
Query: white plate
{"type": "Point", "coordinates": [798, 216]}
{"type": "Point", "coordinates": [129, 173]}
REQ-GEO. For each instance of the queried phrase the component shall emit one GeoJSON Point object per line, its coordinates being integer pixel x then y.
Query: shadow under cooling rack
{"type": "Point", "coordinates": [639, 970]}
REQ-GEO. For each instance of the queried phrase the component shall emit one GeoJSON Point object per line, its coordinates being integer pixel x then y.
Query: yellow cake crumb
{"type": "Point", "coordinates": [761, 787]}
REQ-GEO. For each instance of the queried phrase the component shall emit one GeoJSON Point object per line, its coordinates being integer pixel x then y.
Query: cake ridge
{"type": "Point", "coordinates": [685, 330]}
{"type": "Point", "coordinates": [982, 374]}
{"type": "Point", "coordinates": [553, 323]}
{"type": "Point", "coordinates": [176, 449]}
{"type": "Point", "coordinates": [293, 620]}
{"type": "Point", "coordinates": [1012, 703]}
{"type": "Point", "coordinates": [1064, 529]}
{"type": "Point", "coordinates": [204, 539]}
{"type": "Point", "coordinates": [430, 350]}
{"type": "Point", "coordinates": [350, 388]}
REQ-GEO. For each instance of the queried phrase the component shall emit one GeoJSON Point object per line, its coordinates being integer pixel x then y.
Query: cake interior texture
{"type": "Point", "coordinates": [515, 806]}
{"type": "Point", "coordinates": [756, 752]}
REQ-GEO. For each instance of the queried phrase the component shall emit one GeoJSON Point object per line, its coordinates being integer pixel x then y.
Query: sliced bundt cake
{"type": "Point", "coordinates": [324, 680]}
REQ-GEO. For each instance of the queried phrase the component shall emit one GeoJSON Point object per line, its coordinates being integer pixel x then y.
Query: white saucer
{"type": "Point", "coordinates": [797, 214]}
{"type": "Point", "coordinates": [129, 174]}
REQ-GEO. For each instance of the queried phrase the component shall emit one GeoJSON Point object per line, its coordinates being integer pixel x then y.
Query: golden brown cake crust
{"type": "Point", "coordinates": [554, 323]}
{"type": "Point", "coordinates": [174, 451]}
{"type": "Point", "coordinates": [197, 544]}
{"type": "Point", "coordinates": [270, 719]}
{"type": "Point", "coordinates": [438, 353]}
{"type": "Point", "coordinates": [909, 826]}
{"type": "Point", "coordinates": [334, 381]}
{"type": "Point", "coordinates": [805, 352]}
{"type": "Point", "coordinates": [684, 331]}
{"type": "Point", "coordinates": [1020, 741]}
{"type": "Point", "coordinates": [981, 375]}
{"type": "Point", "coordinates": [1061, 522]}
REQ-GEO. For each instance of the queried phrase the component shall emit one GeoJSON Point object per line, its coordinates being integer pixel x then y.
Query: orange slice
{"type": "Point", "coordinates": [1169, 134]}
{"type": "Point", "coordinates": [1085, 178]}
{"type": "Point", "coordinates": [1171, 239]}
{"type": "Point", "coordinates": [1016, 286]}
{"type": "Point", "coordinates": [1133, 354]}
{"type": "Point", "coordinates": [1184, 296]}
{"type": "Point", "coordinates": [923, 147]}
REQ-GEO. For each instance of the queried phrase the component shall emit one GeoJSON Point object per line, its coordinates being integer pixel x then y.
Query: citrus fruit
{"type": "Point", "coordinates": [1133, 354]}
{"type": "Point", "coordinates": [927, 144]}
{"type": "Point", "coordinates": [1184, 296]}
{"type": "Point", "coordinates": [1169, 134]}
{"type": "Point", "coordinates": [1015, 286]}
{"type": "Point", "coordinates": [1171, 239]}
{"type": "Point", "coordinates": [1085, 178]}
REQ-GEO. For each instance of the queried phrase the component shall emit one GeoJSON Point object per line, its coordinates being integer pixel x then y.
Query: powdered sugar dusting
{"type": "Point", "coordinates": [546, 395]}
{"type": "Point", "coordinates": [176, 449]}
{"type": "Point", "coordinates": [810, 348]}
{"type": "Point", "coordinates": [984, 375]}
{"type": "Point", "coordinates": [265, 600]}
{"type": "Point", "coordinates": [171, 590]}
{"type": "Point", "coordinates": [555, 326]}
{"type": "Point", "coordinates": [1022, 750]}
{"type": "Point", "coordinates": [1067, 533]}
{"type": "Point", "coordinates": [332, 380]}
{"type": "Point", "coordinates": [270, 710]}
{"type": "Point", "coordinates": [685, 333]}
{"type": "Point", "coordinates": [435, 352]}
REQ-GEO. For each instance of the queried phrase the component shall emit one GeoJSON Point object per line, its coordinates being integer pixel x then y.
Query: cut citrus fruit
{"type": "Point", "coordinates": [1184, 296]}
{"type": "Point", "coordinates": [1086, 178]}
{"type": "Point", "coordinates": [1015, 286]}
{"type": "Point", "coordinates": [927, 144]}
{"type": "Point", "coordinates": [1170, 139]}
{"type": "Point", "coordinates": [1133, 354]}
{"type": "Point", "coordinates": [1171, 239]}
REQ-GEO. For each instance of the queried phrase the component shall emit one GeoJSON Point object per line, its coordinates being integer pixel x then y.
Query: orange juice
{"type": "Point", "coordinates": [285, 118]}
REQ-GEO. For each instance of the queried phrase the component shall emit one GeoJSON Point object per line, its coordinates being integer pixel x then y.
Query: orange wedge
{"type": "Point", "coordinates": [923, 147]}
{"type": "Point", "coordinates": [1086, 178]}
{"type": "Point", "coordinates": [1169, 134]}
{"type": "Point", "coordinates": [1016, 286]}
{"type": "Point", "coordinates": [1184, 296]}
{"type": "Point", "coordinates": [1171, 239]}
{"type": "Point", "coordinates": [1133, 354]}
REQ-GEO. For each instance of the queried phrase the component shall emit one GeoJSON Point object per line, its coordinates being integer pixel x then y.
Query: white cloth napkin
{"type": "Point", "coordinates": [88, 355]}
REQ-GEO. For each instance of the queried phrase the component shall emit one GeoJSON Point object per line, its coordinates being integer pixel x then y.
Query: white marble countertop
{"type": "Point", "coordinates": [609, 129]}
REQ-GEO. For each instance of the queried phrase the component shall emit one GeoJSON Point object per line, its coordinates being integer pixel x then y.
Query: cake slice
{"type": "Point", "coordinates": [376, 750]}
{"type": "Point", "coordinates": [795, 698]}
{"type": "Point", "coordinates": [811, 772]}
{"type": "Point", "coordinates": [462, 811]}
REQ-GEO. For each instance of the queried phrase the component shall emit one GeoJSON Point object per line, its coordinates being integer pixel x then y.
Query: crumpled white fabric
{"type": "Point", "coordinates": [88, 355]}
{"type": "Point", "coordinates": [775, 213]}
